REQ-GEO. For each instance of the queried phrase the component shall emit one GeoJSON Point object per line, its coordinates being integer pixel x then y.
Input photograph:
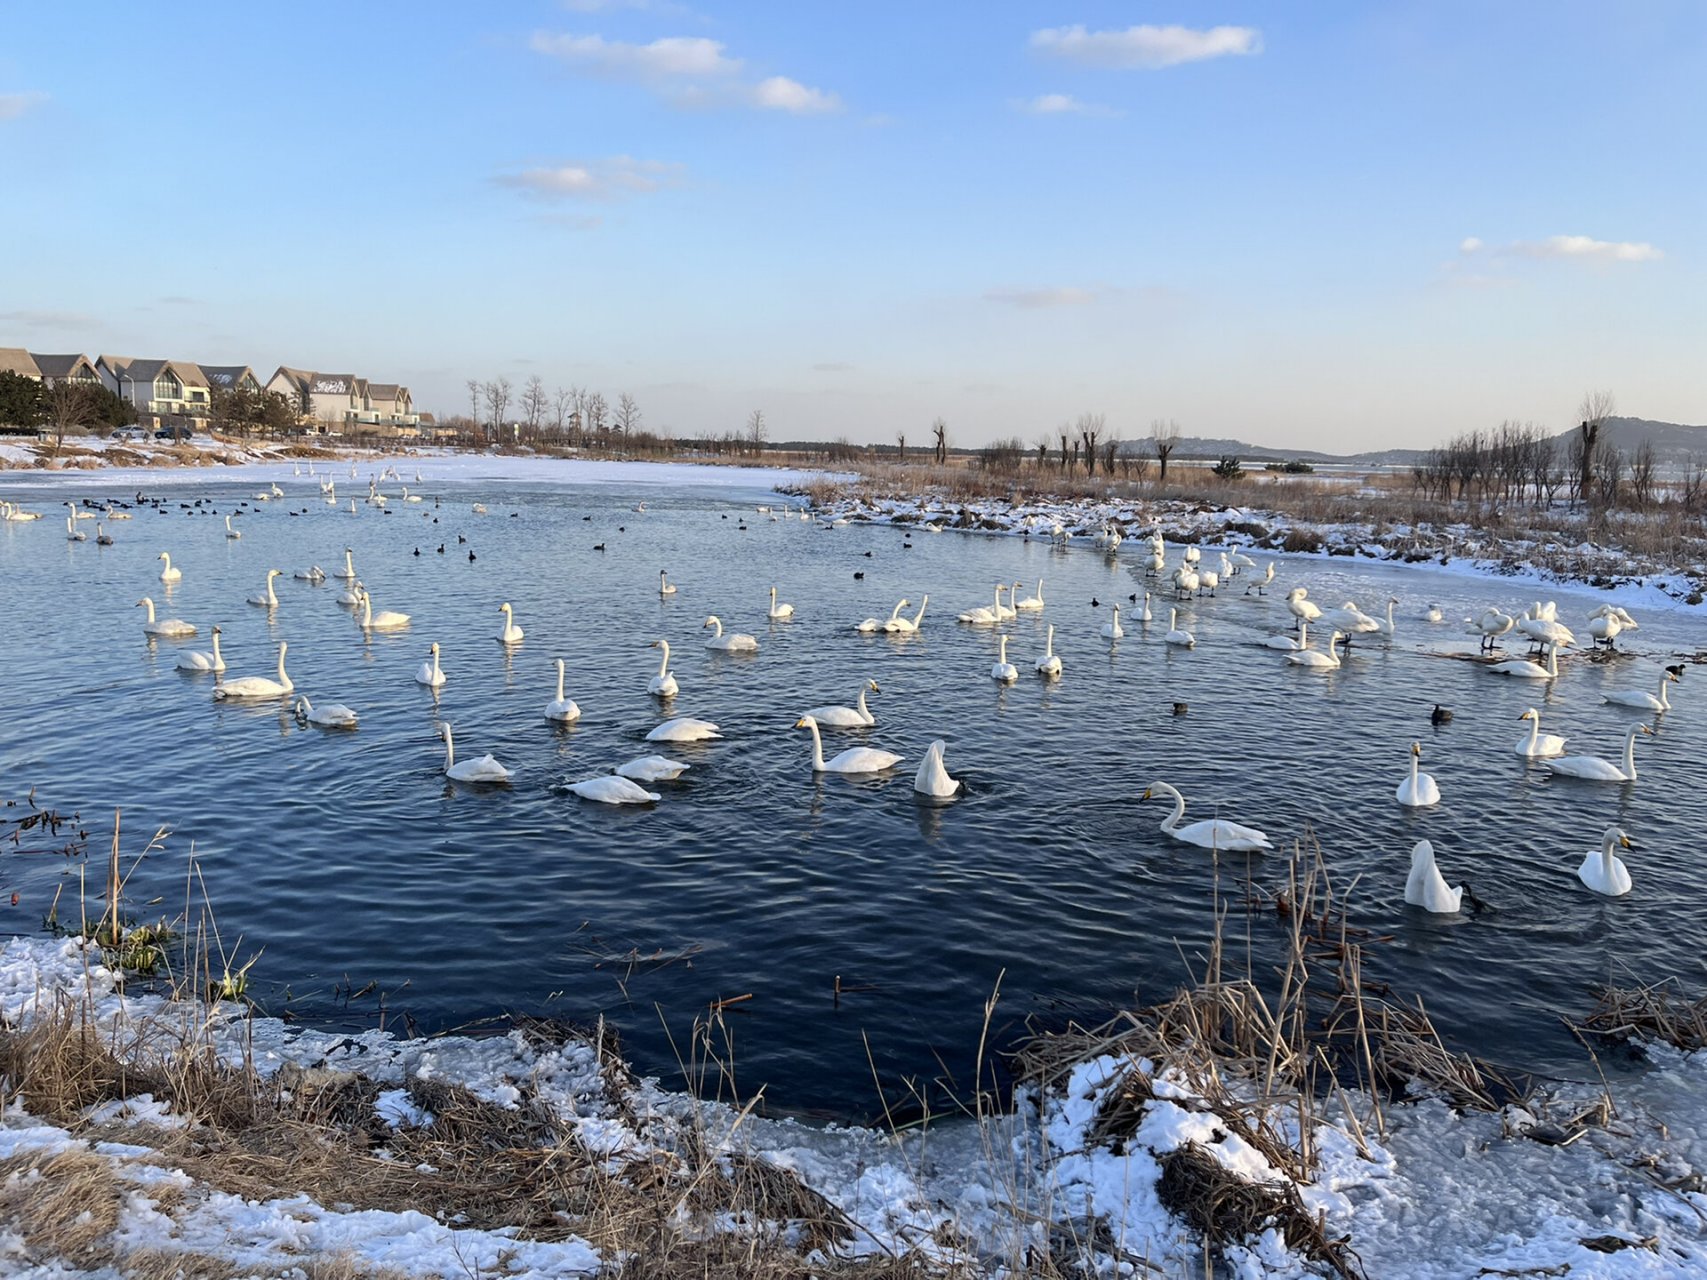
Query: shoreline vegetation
{"type": "Point", "coordinates": [1252, 1124]}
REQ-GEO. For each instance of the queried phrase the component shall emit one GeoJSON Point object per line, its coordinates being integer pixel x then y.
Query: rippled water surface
{"type": "Point", "coordinates": [351, 860]}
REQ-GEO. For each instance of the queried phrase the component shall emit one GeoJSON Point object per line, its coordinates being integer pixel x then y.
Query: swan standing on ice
{"type": "Point", "coordinates": [652, 769]}
{"type": "Point", "coordinates": [853, 760]}
{"type": "Point", "coordinates": [1523, 669]}
{"type": "Point", "coordinates": [1260, 584]}
{"type": "Point", "coordinates": [1425, 887]}
{"type": "Point", "coordinates": [1215, 833]}
{"type": "Point", "coordinates": [665, 586]}
{"type": "Point", "coordinates": [1644, 701]}
{"type": "Point", "coordinates": [907, 626]}
{"type": "Point", "coordinates": [171, 628]}
{"type": "Point", "coordinates": [1536, 744]}
{"type": "Point", "coordinates": [1419, 790]}
{"type": "Point", "coordinates": [1112, 630]}
{"type": "Point", "coordinates": [854, 717]}
{"type": "Point", "coordinates": [229, 531]}
{"type": "Point", "coordinates": [1049, 665]}
{"type": "Point", "coordinates": [1596, 769]}
{"type": "Point", "coordinates": [1031, 604]}
{"type": "Point", "coordinates": [384, 620]}
{"type": "Point", "coordinates": [879, 624]}
{"type": "Point", "coordinates": [1494, 624]}
{"type": "Point", "coordinates": [663, 684]}
{"type": "Point", "coordinates": [169, 574]}
{"type": "Point", "coordinates": [334, 715]}
{"type": "Point", "coordinates": [1002, 670]}
{"type": "Point", "coordinates": [509, 633]}
{"type": "Point", "coordinates": [267, 599]}
{"type": "Point", "coordinates": [1177, 635]}
{"type": "Point", "coordinates": [561, 709]}
{"type": "Point", "coordinates": [932, 778]}
{"type": "Point", "coordinates": [482, 769]}
{"type": "Point", "coordinates": [1300, 608]}
{"type": "Point", "coordinates": [1315, 659]}
{"type": "Point", "coordinates": [778, 611]}
{"type": "Point", "coordinates": [257, 686]}
{"type": "Point", "coordinates": [429, 672]}
{"type": "Point", "coordinates": [612, 789]}
{"type": "Point", "coordinates": [201, 660]}
{"type": "Point", "coordinates": [734, 642]}
{"type": "Point", "coordinates": [1603, 872]}
{"type": "Point", "coordinates": [684, 729]}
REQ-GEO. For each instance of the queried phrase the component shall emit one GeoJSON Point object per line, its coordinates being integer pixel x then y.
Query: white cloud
{"type": "Point", "coordinates": [1034, 299]}
{"type": "Point", "coordinates": [13, 105]}
{"type": "Point", "coordinates": [1062, 104]}
{"type": "Point", "coordinates": [1146, 46]}
{"type": "Point", "coordinates": [662, 59]}
{"type": "Point", "coordinates": [779, 93]}
{"type": "Point", "coordinates": [612, 179]}
{"type": "Point", "coordinates": [1569, 248]}
{"type": "Point", "coordinates": [1469, 244]}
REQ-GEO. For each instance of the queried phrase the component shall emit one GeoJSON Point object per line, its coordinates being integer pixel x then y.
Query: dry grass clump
{"type": "Point", "coordinates": [65, 1204]}
{"type": "Point", "coordinates": [1647, 1013]}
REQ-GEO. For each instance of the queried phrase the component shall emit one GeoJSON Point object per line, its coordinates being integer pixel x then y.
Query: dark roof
{"type": "Point", "coordinates": [226, 375]}
{"type": "Point", "coordinates": [332, 384]}
{"type": "Point", "coordinates": [148, 370]}
{"type": "Point", "coordinates": [64, 366]}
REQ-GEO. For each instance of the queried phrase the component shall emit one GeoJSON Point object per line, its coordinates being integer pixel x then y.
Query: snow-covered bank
{"type": "Point", "coordinates": [536, 1154]}
{"type": "Point", "coordinates": [1463, 547]}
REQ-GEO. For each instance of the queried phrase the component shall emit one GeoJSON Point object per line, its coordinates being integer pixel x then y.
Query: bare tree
{"type": "Point", "coordinates": [1089, 427]}
{"type": "Point", "coordinates": [534, 404]}
{"type": "Point", "coordinates": [593, 423]}
{"type": "Point", "coordinates": [1164, 436]}
{"type": "Point", "coordinates": [757, 431]}
{"type": "Point", "coordinates": [901, 446]}
{"type": "Point", "coordinates": [1593, 410]}
{"type": "Point", "coordinates": [939, 436]}
{"type": "Point", "coordinates": [473, 385]}
{"type": "Point", "coordinates": [1644, 470]}
{"type": "Point", "coordinates": [497, 393]}
{"type": "Point", "coordinates": [1042, 451]}
{"type": "Point", "coordinates": [627, 416]}
{"type": "Point", "coordinates": [562, 404]}
{"type": "Point", "coordinates": [1109, 449]}
{"type": "Point", "coordinates": [1063, 430]}
{"type": "Point", "coordinates": [70, 407]}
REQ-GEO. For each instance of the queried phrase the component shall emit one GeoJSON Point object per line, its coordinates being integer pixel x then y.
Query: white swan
{"type": "Point", "coordinates": [665, 586]}
{"type": "Point", "coordinates": [561, 709]}
{"type": "Point", "coordinates": [1177, 635]}
{"type": "Point", "coordinates": [932, 778]}
{"type": "Point", "coordinates": [1493, 624]}
{"type": "Point", "coordinates": [853, 760]}
{"type": "Point", "coordinates": [509, 633]}
{"type": "Point", "coordinates": [1050, 663]}
{"type": "Point", "coordinates": [1143, 615]}
{"type": "Point", "coordinates": [1596, 769]}
{"type": "Point", "coordinates": [779, 610]}
{"type": "Point", "coordinates": [1002, 670]}
{"type": "Point", "coordinates": [652, 769]}
{"type": "Point", "coordinates": [663, 684]}
{"type": "Point", "coordinates": [169, 574]}
{"type": "Point", "coordinates": [1645, 701]}
{"type": "Point", "coordinates": [1007, 610]}
{"type": "Point", "coordinates": [1535, 744]}
{"type": "Point", "coordinates": [880, 624]}
{"type": "Point", "coordinates": [907, 626]}
{"type": "Point", "coordinates": [1260, 584]}
{"type": "Point", "coordinates": [102, 537]}
{"type": "Point", "coordinates": [334, 715]}
{"type": "Point", "coordinates": [684, 729]}
{"type": "Point", "coordinates": [229, 531]}
{"type": "Point", "coordinates": [410, 497]}
{"type": "Point", "coordinates": [349, 570]}
{"type": "Point", "coordinates": [1112, 630]}
{"type": "Point", "coordinates": [314, 573]}
{"type": "Point", "coordinates": [482, 769]}
{"type": "Point", "coordinates": [1419, 790]}
{"type": "Point", "coordinates": [267, 599]}
{"type": "Point", "coordinates": [734, 642]}
{"type": "Point", "coordinates": [257, 686]}
{"type": "Point", "coordinates": [201, 660]}
{"type": "Point", "coordinates": [384, 620]}
{"type": "Point", "coordinates": [352, 594]}
{"type": "Point", "coordinates": [169, 627]}
{"type": "Point", "coordinates": [429, 672]}
{"type": "Point", "coordinates": [982, 617]}
{"type": "Point", "coordinates": [72, 532]}
{"type": "Point", "coordinates": [1302, 609]}
{"type": "Point", "coordinates": [854, 717]}
{"type": "Point", "coordinates": [1031, 604]}
{"type": "Point", "coordinates": [1385, 625]}
{"type": "Point", "coordinates": [1433, 614]}
{"type": "Point", "coordinates": [1349, 620]}
{"type": "Point", "coordinates": [1315, 659]}
{"type": "Point", "coordinates": [1603, 872]}
{"type": "Point", "coordinates": [1288, 643]}
{"type": "Point", "coordinates": [1216, 833]}
{"type": "Point", "coordinates": [1523, 669]}
{"type": "Point", "coordinates": [611, 789]}
{"type": "Point", "coordinates": [1425, 887]}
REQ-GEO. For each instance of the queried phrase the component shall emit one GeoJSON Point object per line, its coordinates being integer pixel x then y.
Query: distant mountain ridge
{"type": "Point", "coordinates": [1672, 441]}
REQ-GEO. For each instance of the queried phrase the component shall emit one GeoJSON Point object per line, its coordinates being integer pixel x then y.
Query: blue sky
{"type": "Point", "coordinates": [1329, 225]}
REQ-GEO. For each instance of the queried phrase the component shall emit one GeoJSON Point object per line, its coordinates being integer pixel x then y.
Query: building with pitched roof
{"type": "Point", "coordinates": [68, 368]}
{"type": "Point", "coordinates": [17, 360]}
{"type": "Point", "coordinates": [335, 403]}
{"type": "Point", "coordinates": [231, 377]}
{"type": "Point", "coordinates": [164, 392]}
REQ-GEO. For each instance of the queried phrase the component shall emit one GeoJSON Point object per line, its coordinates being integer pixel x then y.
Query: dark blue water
{"type": "Point", "coordinates": [351, 861]}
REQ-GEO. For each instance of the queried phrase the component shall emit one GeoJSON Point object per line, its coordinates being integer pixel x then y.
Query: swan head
{"type": "Point", "coordinates": [712, 620]}
{"type": "Point", "coordinates": [1615, 836]}
{"type": "Point", "coordinates": [218, 632]}
{"type": "Point", "coordinates": [1531, 714]}
{"type": "Point", "coordinates": [433, 648]}
{"type": "Point", "coordinates": [1417, 749]}
{"type": "Point", "coordinates": [505, 607]}
{"type": "Point", "coordinates": [872, 685]}
{"type": "Point", "coordinates": [162, 556]}
{"type": "Point", "coordinates": [1297, 593]}
{"type": "Point", "coordinates": [806, 722]}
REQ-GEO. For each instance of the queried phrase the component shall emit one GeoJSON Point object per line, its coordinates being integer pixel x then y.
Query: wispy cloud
{"type": "Point", "coordinates": [833, 366]}
{"type": "Point", "coordinates": [1568, 248]}
{"type": "Point", "coordinates": [597, 180]}
{"type": "Point", "coordinates": [1062, 104]}
{"type": "Point", "coordinates": [1036, 299]}
{"type": "Point", "coordinates": [779, 93]}
{"type": "Point", "coordinates": [13, 105]}
{"type": "Point", "coordinates": [1146, 47]}
{"type": "Point", "coordinates": [27, 319]}
{"type": "Point", "coordinates": [690, 71]}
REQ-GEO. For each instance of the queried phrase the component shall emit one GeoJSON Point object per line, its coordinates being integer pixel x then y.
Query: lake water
{"type": "Point", "coordinates": [351, 861]}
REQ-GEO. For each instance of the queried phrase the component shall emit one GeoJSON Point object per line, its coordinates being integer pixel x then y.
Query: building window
{"type": "Point", "coordinates": [167, 388]}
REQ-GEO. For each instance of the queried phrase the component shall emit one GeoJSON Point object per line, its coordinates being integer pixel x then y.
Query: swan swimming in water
{"type": "Point", "coordinates": [932, 778]}
{"type": "Point", "coordinates": [1602, 871]}
{"type": "Point", "coordinates": [1596, 769]}
{"type": "Point", "coordinates": [853, 760]}
{"type": "Point", "coordinates": [684, 729]}
{"type": "Point", "coordinates": [854, 717]}
{"type": "Point", "coordinates": [481, 769]}
{"type": "Point", "coordinates": [314, 573]}
{"type": "Point", "coordinates": [1536, 744]}
{"type": "Point", "coordinates": [429, 672]}
{"type": "Point", "coordinates": [201, 660]}
{"type": "Point", "coordinates": [349, 570]}
{"type": "Point", "coordinates": [1523, 669]}
{"type": "Point", "coordinates": [1049, 665]}
{"type": "Point", "coordinates": [257, 686]}
{"type": "Point", "coordinates": [778, 611]}
{"type": "Point", "coordinates": [1425, 887]}
{"type": "Point", "coordinates": [1289, 643]}
{"type": "Point", "coordinates": [907, 626]}
{"type": "Point", "coordinates": [1177, 635]}
{"type": "Point", "coordinates": [652, 769]}
{"type": "Point", "coordinates": [663, 684]}
{"type": "Point", "coordinates": [1143, 615]}
{"type": "Point", "coordinates": [169, 574]}
{"type": "Point", "coordinates": [334, 715]}
{"type": "Point", "coordinates": [1112, 630]}
{"type": "Point", "coordinates": [879, 624]}
{"type": "Point", "coordinates": [982, 617]}
{"type": "Point", "coordinates": [1645, 701]}
{"type": "Point", "coordinates": [72, 532]}
{"type": "Point", "coordinates": [509, 633]}
{"type": "Point", "coordinates": [229, 531]}
{"type": "Point", "coordinates": [1002, 670]}
{"type": "Point", "coordinates": [561, 709]}
{"type": "Point", "coordinates": [734, 642]}
{"type": "Point", "coordinates": [1031, 604]}
{"type": "Point", "coordinates": [169, 627]}
{"type": "Point", "coordinates": [267, 599]}
{"type": "Point", "coordinates": [1419, 790]}
{"type": "Point", "coordinates": [352, 594]}
{"type": "Point", "coordinates": [384, 620]}
{"type": "Point", "coordinates": [613, 789]}
{"type": "Point", "coordinates": [665, 586]}
{"type": "Point", "coordinates": [1216, 833]}
{"type": "Point", "coordinates": [1315, 659]}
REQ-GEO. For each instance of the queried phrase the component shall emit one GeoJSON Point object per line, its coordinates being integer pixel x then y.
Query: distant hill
{"type": "Point", "coordinates": [1673, 442]}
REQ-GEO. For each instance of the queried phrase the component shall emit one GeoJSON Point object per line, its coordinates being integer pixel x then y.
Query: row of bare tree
{"type": "Point", "coordinates": [579, 417]}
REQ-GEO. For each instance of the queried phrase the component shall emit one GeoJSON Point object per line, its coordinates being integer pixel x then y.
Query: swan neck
{"type": "Point", "coordinates": [1178, 814]}
{"type": "Point", "coordinates": [282, 679]}
{"type": "Point", "coordinates": [560, 679]}
{"type": "Point", "coordinates": [1630, 756]}
{"type": "Point", "coordinates": [817, 748]}
{"type": "Point", "coordinates": [664, 666]}
{"type": "Point", "coordinates": [450, 750]}
{"type": "Point", "coordinates": [919, 616]}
